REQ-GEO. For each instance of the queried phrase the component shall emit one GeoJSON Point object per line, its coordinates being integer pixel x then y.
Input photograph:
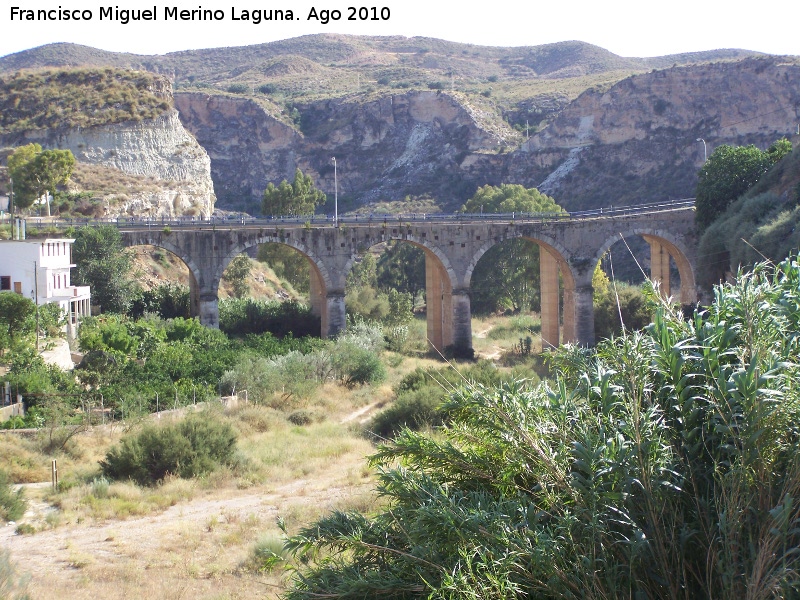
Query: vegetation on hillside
{"type": "Point", "coordinates": [527, 85]}
{"type": "Point", "coordinates": [761, 223]}
{"type": "Point", "coordinates": [69, 98]}
{"type": "Point", "coordinates": [729, 172]}
{"type": "Point", "coordinates": [662, 465]}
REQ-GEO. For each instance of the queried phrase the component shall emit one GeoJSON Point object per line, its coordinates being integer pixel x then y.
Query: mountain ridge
{"type": "Point", "coordinates": [428, 120]}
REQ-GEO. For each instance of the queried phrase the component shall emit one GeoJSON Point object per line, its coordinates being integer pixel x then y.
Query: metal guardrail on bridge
{"type": "Point", "coordinates": [362, 219]}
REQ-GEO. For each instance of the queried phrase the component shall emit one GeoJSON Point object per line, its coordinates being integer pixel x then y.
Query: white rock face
{"type": "Point", "coordinates": [161, 148]}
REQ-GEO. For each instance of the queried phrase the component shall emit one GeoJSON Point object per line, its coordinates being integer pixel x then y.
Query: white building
{"type": "Point", "coordinates": [39, 269]}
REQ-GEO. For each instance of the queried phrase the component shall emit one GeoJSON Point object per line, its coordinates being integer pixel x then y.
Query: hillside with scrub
{"type": "Point", "coordinates": [419, 122]}
{"type": "Point", "coordinates": [86, 97]}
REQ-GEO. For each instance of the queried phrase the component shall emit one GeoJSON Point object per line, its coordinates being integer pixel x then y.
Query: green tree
{"type": "Point", "coordinates": [18, 170]}
{"type": "Point", "coordinates": [102, 263]}
{"type": "Point", "coordinates": [15, 313]}
{"type": "Point", "coordinates": [292, 199]}
{"type": "Point", "coordinates": [237, 273]}
{"type": "Point", "coordinates": [37, 172]}
{"type": "Point", "coordinates": [507, 276]}
{"type": "Point", "coordinates": [728, 173]}
{"type": "Point", "coordinates": [508, 198]}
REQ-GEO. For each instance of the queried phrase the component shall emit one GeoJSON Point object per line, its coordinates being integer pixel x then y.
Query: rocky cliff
{"type": "Point", "coordinates": [156, 148]}
{"type": "Point", "coordinates": [633, 142]}
{"type": "Point", "coordinates": [604, 130]}
{"type": "Point", "coordinates": [638, 140]}
{"type": "Point", "coordinates": [386, 148]}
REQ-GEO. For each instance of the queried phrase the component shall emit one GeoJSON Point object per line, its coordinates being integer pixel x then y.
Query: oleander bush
{"type": "Point", "coordinates": [662, 464]}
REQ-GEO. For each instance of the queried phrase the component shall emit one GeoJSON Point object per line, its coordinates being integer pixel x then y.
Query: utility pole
{"type": "Point", "coordinates": [36, 299]}
{"type": "Point", "coordinates": [335, 195]}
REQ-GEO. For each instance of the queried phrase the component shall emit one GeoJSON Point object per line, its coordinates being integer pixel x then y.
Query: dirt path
{"type": "Point", "coordinates": [194, 549]}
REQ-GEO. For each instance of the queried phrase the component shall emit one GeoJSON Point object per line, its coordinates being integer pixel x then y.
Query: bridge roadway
{"type": "Point", "coordinates": [571, 246]}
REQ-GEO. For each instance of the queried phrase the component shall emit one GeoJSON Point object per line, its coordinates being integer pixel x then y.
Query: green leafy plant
{"type": "Point", "coordinates": [663, 464]}
{"type": "Point", "coordinates": [12, 503]}
{"type": "Point", "coordinates": [194, 446]}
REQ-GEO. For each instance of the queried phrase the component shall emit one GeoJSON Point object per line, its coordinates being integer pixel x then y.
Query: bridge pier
{"type": "Point", "coordinates": [659, 266]}
{"type": "Point", "coordinates": [334, 318]}
{"type": "Point", "coordinates": [462, 322]}
{"type": "Point", "coordinates": [548, 276]}
{"type": "Point", "coordinates": [208, 309]}
{"type": "Point", "coordinates": [580, 300]}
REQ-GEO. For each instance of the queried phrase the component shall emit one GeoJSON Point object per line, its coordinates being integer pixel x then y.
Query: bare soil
{"type": "Point", "coordinates": [196, 549]}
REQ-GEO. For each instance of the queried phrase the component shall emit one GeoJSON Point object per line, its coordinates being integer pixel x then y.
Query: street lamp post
{"type": "Point", "coordinates": [705, 151]}
{"type": "Point", "coordinates": [335, 194]}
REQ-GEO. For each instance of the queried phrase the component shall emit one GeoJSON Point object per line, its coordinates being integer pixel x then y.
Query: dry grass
{"type": "Point", "coordinates": [187, 538]}
{"type": "Point", "coordinates": [196, 538]}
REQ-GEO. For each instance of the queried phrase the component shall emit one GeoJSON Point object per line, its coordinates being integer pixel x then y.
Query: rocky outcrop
{"type": "Point", "coordinates": [247, 145]}
{"type": "Point", "coordinates": [633, 142]}
{"type": "Point", "coordinates": [638, 141]}
{"type": "Point", "coordinates": [412, 143]}
{"type": "Point", "coordinates": [724, 101]}
{"type": "Point", "coordinates": [160, 148]}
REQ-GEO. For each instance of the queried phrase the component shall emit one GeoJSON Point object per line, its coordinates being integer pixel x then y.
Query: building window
{"type": "Point", "coordinates": [5, 282]}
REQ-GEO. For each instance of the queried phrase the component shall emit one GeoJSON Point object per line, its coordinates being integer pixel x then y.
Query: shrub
{"type": "Point", "coordinates": [241, 316]}
{"type": "Point", "coordinates": [663, 464]}
{"type": "Point", "coordinates": [267, 553]}
{"type": "Point", "coordinates": [12, 504]}
{"type": "Point", "coordinates": [192, 447]}
{"type": "Point", "coordinates": [12, 585]}
{"type": "Point", "coordinates": [355, 365]}
{"type": "Point", "coordinates": [300, 417]}
{"type": "Point", "coordinates": [628, 300]}
{"type": "Point", "coordinates": [238, 88]}
{"type": "Point", "coordinates": [414, 410]}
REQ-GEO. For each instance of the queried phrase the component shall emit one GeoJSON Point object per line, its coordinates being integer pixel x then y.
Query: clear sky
{"type": "Point", "coordinates": [625, 27]}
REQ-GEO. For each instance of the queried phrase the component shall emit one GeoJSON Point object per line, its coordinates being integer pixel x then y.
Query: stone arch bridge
{"type": "Point", "coordinates": [571, 246]}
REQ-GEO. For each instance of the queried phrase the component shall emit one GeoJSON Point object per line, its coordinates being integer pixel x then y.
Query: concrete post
{"type": "Point", "coordinates": [334, 318]}
{"type": "Point", "coordinates": [462, 322]}
{"type": "Point", "coordinates": [548, 275]}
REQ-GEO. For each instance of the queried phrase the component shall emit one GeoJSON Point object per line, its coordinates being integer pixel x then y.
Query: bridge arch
{"type": "Point", "coordinates": [444, 298]}
{"type": "Point", "coordinates": [195, 273]}
{"type": "Point", "coordinates": [320, 279]}
{"type": "Point", "coordinates": [557, 286]}
{"type": "Point", "coordinates": [663, 246]}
